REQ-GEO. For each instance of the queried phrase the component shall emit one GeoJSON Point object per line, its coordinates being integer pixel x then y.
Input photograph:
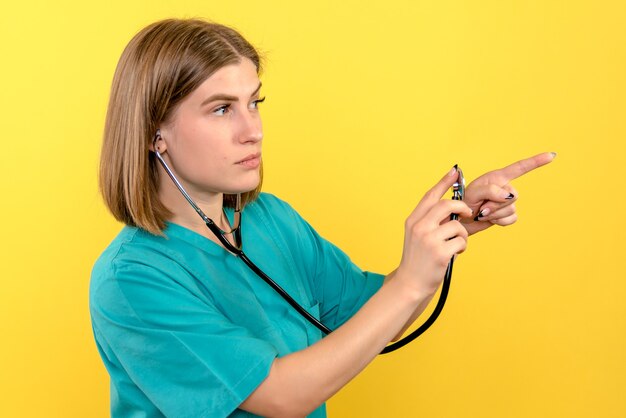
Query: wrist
{"type": "Point", "coordinates": [409, 287]}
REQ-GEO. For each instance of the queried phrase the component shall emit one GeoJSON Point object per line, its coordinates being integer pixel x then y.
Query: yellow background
{"type": "Point", "coordinates": [368, 105]}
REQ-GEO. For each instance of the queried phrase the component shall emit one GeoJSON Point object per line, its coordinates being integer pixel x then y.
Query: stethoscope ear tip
{"type": "Point", "coordinates": [155, 138]}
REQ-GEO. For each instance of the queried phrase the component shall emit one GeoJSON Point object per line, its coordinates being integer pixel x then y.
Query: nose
{"type": "Point", "coordinates": [251, 127]}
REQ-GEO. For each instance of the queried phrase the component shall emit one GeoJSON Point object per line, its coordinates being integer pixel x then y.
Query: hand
{"type": "Point", "coordinates": [431, 239]}
{"type": "Point", "coordinates": [492, 198]}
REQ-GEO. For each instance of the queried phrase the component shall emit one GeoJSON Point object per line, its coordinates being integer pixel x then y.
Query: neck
{"type": "Point", "coordinates": [184, 214]}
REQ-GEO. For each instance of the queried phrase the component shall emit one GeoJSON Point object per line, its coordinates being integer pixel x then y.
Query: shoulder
{"type": "Point", "coordinates": [276, 212]}
{"type": "Point", "coordinates": [134, 259]}
{"type": "Point", "coordinates": [130, 245]}
{"type": "Point", "coordinates": [270, 202]}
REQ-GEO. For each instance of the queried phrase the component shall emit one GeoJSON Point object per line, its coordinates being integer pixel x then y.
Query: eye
{"type": "Point", "coordinates": [221, 111]}
{"type": "Point", "coordinates": [255, 103]}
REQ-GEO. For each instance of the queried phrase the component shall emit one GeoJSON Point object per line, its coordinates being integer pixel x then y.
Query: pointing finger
{"type": "Point", "coordinates": [522, 167]}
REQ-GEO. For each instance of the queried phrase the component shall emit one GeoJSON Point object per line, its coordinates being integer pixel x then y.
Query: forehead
{"type": "Point", "coordinates": [239, 79]}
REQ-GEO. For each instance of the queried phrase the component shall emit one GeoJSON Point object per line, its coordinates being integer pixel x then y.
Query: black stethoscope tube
{"type": "Point", "coordinates": [458, 195]}
{"type": "Point", "coordinates": [284, 294]}
{"type": "Point", "coordinates": [445, 287]}
{"type": "Point", "coordinates": [388, 349]}
{"type": "Point", "coordinates": [459, 190]}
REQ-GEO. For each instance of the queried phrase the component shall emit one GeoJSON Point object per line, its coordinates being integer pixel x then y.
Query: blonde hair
{"type": "Point", "coordinates": [159, 67]}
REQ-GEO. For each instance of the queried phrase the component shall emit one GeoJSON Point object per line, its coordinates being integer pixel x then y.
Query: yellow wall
{"type": "Point", "coordinates": [367, 106]}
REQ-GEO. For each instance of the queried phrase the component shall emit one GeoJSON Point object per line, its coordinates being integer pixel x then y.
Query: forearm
{"type": "Point", "coordinates": [419, 309]}
{"type": "Point", "coordinates": [301, 381]}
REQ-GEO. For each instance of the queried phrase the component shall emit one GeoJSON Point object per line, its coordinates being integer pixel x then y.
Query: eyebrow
{"type": "Point", "coordinates": [227, 97]}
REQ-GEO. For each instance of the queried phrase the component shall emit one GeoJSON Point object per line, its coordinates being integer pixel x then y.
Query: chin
{"type": "Point", "coordinates": [244, 187]}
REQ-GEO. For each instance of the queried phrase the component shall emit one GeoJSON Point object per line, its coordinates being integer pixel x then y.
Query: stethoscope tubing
{"type": "Point", "coordinates": [458, 195]}
{"type": "Point", "coordinates": [284, 294]}
{"type": "Point", "coordinates": [319, 325]}
{"type": "Point", "coordinates": [443, 296]}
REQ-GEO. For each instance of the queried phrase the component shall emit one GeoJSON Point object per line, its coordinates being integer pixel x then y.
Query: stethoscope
{"type": "Point", "coordinates": [458, 193]}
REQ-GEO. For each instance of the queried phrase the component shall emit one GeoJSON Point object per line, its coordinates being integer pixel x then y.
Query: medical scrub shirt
{"type": "Point", "coordinates": [185, 329]}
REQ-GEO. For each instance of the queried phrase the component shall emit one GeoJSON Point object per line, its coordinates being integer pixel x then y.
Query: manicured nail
{"type": "Point", "coordinates": [482, 214]}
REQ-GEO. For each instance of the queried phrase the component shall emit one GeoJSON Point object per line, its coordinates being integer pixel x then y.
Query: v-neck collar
{"type": "Point", "coordinates": [174, 230]}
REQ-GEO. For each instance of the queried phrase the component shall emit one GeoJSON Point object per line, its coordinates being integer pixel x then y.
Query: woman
{"type": "Point", "coordinates": [185, 329]}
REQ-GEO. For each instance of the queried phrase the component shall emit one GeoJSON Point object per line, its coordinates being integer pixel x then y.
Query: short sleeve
{"type": "Point", "coordinates": [341, 286]}
{"type": "Point", "coordinates": [181, 353]}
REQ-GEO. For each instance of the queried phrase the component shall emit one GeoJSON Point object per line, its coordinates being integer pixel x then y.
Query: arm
{"type": "Point", "coordinates": [492, 199]}
{"type": "Point", "coordinates": [301, 381]}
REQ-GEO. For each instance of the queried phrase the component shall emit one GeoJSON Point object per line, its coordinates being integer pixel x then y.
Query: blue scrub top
{"type": "Point", "coordinates": [185, 329]}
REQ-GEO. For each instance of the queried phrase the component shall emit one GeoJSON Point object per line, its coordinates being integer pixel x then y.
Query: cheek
{"type": "Point", "coordinates": [201, 147]}
{"type": "Point", "coordinates": [209, 157]}
{"type": "Point", "coordinates": [198, 146]}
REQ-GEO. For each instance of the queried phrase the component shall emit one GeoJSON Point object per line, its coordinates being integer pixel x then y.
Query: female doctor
{"type": "Point", "coordinates": [184, 328]}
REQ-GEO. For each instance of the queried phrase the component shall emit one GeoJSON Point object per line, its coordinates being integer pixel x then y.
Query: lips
{"type": "Point", "coordinates": [251, 161]}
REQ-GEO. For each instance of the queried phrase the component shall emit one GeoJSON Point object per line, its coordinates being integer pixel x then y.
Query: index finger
{"type": "Point", "coordinates": [522, 167]}
{"type": "Point", "coordinates": [438, 190]}
{"type": "Point", "coordinates": [435, 194]}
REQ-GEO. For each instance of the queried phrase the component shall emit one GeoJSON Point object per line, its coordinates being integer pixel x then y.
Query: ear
{"type": "Point", "coordinates": [158, 143]}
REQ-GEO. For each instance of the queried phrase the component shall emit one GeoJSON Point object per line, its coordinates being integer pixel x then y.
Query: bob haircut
{"type": "Point", "coordinates": [160, 66]}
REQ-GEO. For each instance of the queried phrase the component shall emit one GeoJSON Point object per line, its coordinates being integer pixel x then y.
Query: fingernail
{"type": "Point", "coordinates": [510, 196]}
{"type": "Point", "coordinates": [553, 154]}
{"type": "Point", "coordinates": [453, 171]}
{"type": "Point", "coordinates": [456, 167]}
{"type": "Point", "coordinates": [482, 214]}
